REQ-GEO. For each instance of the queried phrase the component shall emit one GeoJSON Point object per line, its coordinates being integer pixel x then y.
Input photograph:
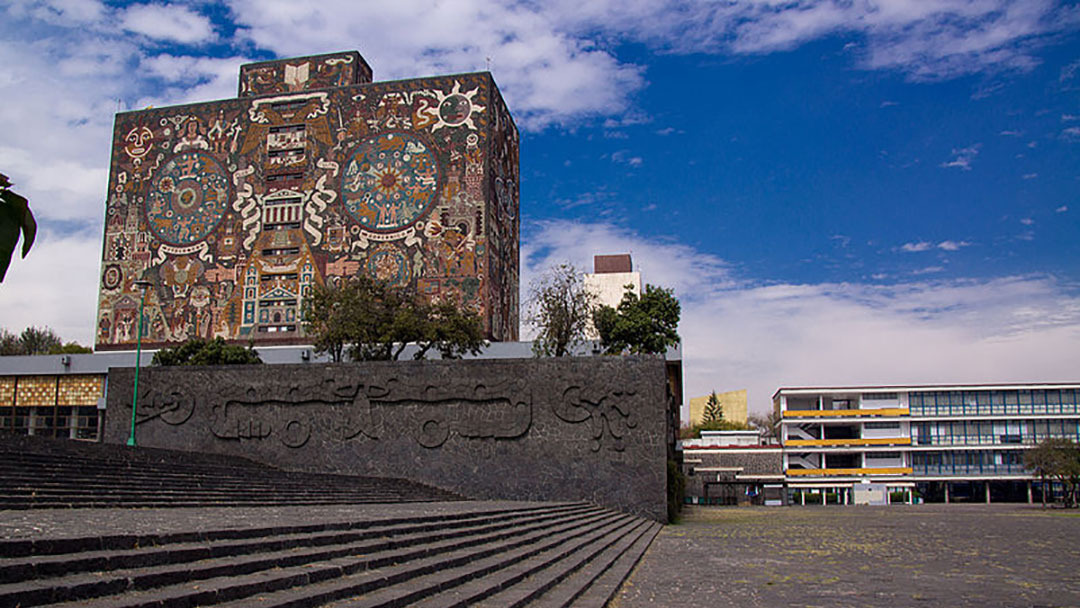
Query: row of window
{"type": "Point", "coordinates": [991, 402]}
{"type": "Point", "coordinates": [982, 432]}
{"type": "Point", "coordinates": [64, 422]}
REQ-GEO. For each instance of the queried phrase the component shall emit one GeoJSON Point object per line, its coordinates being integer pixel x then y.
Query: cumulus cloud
{"type": "Point", "coordinates": [549, 76]}
{"type": "Point", "coordinates": [169, 22]}
{"type": "Point", "coordinates": [30, 293]}
{"type": "Point", "coordinates": [755, 334]}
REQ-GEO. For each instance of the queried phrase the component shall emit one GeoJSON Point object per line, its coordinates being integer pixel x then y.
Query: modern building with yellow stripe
{"type": "Point", "coordinates": [940, 443]}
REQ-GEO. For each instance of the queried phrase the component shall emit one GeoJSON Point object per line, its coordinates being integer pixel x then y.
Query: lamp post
{"type": "Point", "coordinates": [142, 284]}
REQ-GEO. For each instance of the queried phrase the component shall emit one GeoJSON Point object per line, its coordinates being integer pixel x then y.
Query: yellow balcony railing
{"type": "Point", "coordinates": [848, 472]}
{"type": "Point", "coordinates": [847, 442]}
{"type": "Point", "coordinates": [887, 411]}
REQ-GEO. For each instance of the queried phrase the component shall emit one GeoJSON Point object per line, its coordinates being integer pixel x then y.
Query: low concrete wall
{"type": "Point", "coordinates": [593, 429]}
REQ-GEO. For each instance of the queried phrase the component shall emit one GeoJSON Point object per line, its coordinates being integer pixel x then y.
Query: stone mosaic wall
{"type": "Point", "coordinates": [234, 210]}
{"type": "Point", "coordinates": [594, 429]}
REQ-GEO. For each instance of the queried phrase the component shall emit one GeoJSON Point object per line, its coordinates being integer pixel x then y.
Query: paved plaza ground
{"type": "Point", "coordinates": [925, 555]}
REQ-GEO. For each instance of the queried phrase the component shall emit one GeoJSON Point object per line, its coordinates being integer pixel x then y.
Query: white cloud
{"type": "Point", "coordinates": [1029, 176]}
{"type": "Point", "coordinates": [962, 157]}
{"type": "Point", "coordinates": [56, 285]}
{"type": "Point", "coordinates": [916, 247]}
{"type": "Point", "coordinates": [1062, 209]}
{"type": "Point", "coordinates": [1008, 133]}
{"type": "Point", "coordinates": [1027, 221]}
{"type": "Point", "coordinates": [548, 76]}
{"type": "Point", "coordinates": [1071, 134]}
{"type": "Point", "coordinates": [952, 245]}
{"type": "Point", "coordinates": [743, 334]}
{"type": "Point", "coordinates": [168, 22]}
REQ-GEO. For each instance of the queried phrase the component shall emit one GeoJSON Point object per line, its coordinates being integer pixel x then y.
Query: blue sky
{"type": "Point", "coordinates": [839, 192]}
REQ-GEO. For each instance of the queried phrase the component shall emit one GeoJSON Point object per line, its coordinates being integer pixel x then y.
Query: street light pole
{"type": "Point", "coordinates": [142, 284]}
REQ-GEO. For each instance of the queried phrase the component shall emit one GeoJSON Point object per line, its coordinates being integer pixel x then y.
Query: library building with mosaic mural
{"type": "Point", "coordinates": [234, 210]}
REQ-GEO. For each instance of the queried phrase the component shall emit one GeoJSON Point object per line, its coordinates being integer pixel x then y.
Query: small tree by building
{"type": "Point", "coordinates": [560, 308]}
{"type": "Point", "coordinates": [640, 325]}
{"type": "Point", "coordinates": [200, 351]}
{"type": "Point", "coordinates": [714, 412]}
{"type": "Point", "coordinates": [767, 425]}
{"type": "Point", "coordinates": [1058, 459]}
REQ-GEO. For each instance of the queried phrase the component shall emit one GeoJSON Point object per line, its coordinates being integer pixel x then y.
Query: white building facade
{"type": "Point", "coordinates": [939, 443]}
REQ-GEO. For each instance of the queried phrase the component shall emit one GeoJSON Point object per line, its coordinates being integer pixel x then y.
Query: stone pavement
{"type": "Point", "coordinates": [925, 555]}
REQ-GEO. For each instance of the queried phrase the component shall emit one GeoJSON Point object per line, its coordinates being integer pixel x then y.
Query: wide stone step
{"type": "Point", "coordinates": [83, 555]}
{"type": "Point", "coordinates": [232, 577]}
{"type": "Point", "coordinates": [574, 572]}
{"type": "Point", "coordinates": [548, 563]}
{"type": "Point", "coordinates": [379, 562]}
{"type": "Point", "coordinates": [602, 589]}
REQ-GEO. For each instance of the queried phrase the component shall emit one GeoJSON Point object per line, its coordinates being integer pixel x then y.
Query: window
{"type": "Point", "coordinates": [881, 425]}
{"type": "Point", "coordinates": [879, 396]}
{"type": "Point", "coordinates": [882, 455]}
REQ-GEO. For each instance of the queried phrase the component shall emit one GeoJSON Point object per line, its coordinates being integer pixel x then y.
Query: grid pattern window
{"type": "Point", "coordinates": [966, 462]}
{"type": "Point", "coordinates": [993, 432]}
{"type": "Point", "coordinates": [52, 406]}
{"type": "Point", "coordinates": [995, 402]}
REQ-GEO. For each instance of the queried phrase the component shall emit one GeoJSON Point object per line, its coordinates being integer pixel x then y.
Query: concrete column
{"type": "Point", "coordinates": [1029, 492]}
{"type": "Point", "coordinates": [946, 492]}
{"type": "Point", "coordinates": [988, 492]}
{"type": "Point", "coordinates": [802, 497]}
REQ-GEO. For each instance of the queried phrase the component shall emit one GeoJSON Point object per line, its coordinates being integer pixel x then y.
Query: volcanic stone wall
{"type": "Point", "coordinates": [594, 429]}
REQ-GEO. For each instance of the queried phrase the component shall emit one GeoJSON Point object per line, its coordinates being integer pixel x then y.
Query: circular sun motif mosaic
{"type": "Point", "coordinates": [187, 198]}
{"type": "Point", "coordinates": [390, 182]}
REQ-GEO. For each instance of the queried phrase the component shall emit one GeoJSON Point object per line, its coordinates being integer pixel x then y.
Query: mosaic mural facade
{"type": "Point", "coordinates": [235, 209]}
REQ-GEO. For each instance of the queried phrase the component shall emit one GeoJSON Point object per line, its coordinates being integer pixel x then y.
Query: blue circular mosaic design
{"type": "Point", "coordinates": [187, 199]}
{"type": "Point", "coordinates": [390, 181]}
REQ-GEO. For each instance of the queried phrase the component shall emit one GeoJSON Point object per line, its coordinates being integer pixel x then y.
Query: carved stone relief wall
{"type": "Point", "coordinates": [591, 429]}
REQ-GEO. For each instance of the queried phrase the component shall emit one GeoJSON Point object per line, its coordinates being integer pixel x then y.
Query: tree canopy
{"type": "Point", "coordinates": [37, 341]}
{"type": "Point", "coordinates": [16, 220]}
{"type": "Point", "coordinates": [1056, 458]}
{"type": "Point", "coordinates": [200, 351]}
{"type": "Point", "coordinates": [640, 325]}
{"type": "Point", "coordinates": [369, 320]}
{"type": "Point", "coordinates": [559, 308]}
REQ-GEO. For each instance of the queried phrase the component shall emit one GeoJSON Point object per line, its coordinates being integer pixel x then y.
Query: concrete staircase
{"type": "Point", "coordinates": [38, 473]}
{"type": "Point", "coordinates": [554, 554]}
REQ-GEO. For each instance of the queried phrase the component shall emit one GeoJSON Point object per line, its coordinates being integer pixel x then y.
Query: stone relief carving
{"type": "Point", "coordinates": [605, 411]}
{"type": "Point", "coordinates": [173, 406]}
{"type": "Point", "coordinates": [328, 411]}
{"type": "Point", "coordinates": [340, 411]}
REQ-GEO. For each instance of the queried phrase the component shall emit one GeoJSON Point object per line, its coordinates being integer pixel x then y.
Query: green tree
{"type": "Point", "coordinates": [200, 351]}
{"type": "Point", "coordinates": [37, 341]}
{"type": "Point", "coordinates": [371, 321]}
{"type": "Point", "coordinates": [71, 348]}
{"type": "Point", "coordinates": [559, 308]}
{"type": "Point", "coordinates": [713, 411]}
{"type": "Point", "coordinates": [16, 220]}
{"type": "Point", "coordinates": [1056, 458]}
{"type": "Point", "coordinates": [640, 325]}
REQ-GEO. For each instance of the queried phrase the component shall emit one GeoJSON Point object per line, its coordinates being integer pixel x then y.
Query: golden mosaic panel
{"type": "Point", "coordinates": [36, 390]}
{"type": "Point", "coordinates": [81, 390]}
{"type": "Point", "coordinates": [7, 390]}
